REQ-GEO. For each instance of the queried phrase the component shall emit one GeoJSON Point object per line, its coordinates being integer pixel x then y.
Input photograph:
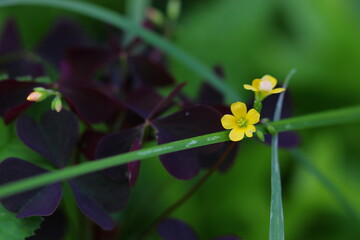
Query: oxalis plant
{"type": "Point", "coordinates": [86, 115]}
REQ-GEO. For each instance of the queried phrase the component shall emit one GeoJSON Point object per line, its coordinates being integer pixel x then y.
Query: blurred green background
{"type": "Point", "coordinates": [321, 39]}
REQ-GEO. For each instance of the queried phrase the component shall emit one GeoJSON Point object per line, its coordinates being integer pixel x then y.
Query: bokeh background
{"type": "Point", "coordinates": [321, 39]}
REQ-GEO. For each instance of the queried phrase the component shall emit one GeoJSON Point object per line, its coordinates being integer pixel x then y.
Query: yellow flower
{"type": "Point", "coordinates": [241, 122]}
{"type": "Point", "coordinates": [264, 86]}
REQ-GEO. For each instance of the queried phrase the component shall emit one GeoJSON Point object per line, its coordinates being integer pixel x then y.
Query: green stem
{"type": "Point", "coordinates": [276, 210]}
{"type": "Point", "coordinates": [111, 17]}
{"type": "Point", "coordinates": [348, 115]}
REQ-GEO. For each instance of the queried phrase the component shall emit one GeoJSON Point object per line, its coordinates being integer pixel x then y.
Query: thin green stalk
{"type": "Point", "coordinates": [111, 17]}
{"type": "Point", "coordinates": [276, 209]}
{"type": "Point", "coordinates": [343, 116]}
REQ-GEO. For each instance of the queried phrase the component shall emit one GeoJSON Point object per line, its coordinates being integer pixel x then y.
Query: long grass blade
{"type": "Point", "coordinates": [276, 208]}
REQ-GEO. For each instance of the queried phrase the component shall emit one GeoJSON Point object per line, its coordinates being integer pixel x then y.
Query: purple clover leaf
{"type": "Point", "coordinates": [38, 202]}
{"type": "Point", "coordinates": [55, 137]}
{"type": "Point", "coordinates": [174, 229]}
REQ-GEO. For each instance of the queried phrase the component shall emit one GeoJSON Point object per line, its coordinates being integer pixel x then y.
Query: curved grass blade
{"type": "Point", "coordinates": [276, 209]}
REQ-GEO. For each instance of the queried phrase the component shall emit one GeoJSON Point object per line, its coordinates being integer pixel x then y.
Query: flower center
{"type": "Point", "coordinates": [265, 86]}
{"type": "Point", "coordinates": [241, 122]}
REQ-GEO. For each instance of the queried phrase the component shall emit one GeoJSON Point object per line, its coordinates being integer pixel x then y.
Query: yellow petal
{"type": "Point", "coordinates": [238, 109]}
{"type": "Point", "coordinates": [256, 83]}
{"type": "Point", "coordinates": [252, 117]}
{"type": "Point", "coordinates": [249, 130]}
{"type": "Point", "coordinates": [228, 121]}
{"type": "Point", "coordinates": [277, 90]}
{"type": "Point", "coordinates": [271, 79]}
{"type": "Point", "coordinates": [249, 134]}
{"type": "Point", "coordinates": [236, 134]}
{"type": "Point", "coordinates": [249, 87]}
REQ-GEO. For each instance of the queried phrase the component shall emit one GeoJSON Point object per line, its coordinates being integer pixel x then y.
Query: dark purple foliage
{"type": "Point", "coordinates": [97, 196]}
{"type": "Point", "coordinates": [89, 103]}
{"type": "Point", "coordinates": [85, 62]}
{"type": "Point", "coordinates": [187, 123]}
{"type": "Point", "coordinates": [38, 202]}
{"type": "Point", "coordinates": [142, 101]}
{"type": "Point", "coordinates": [149, 73]}
{"type": "Point", "coordinates": [52, 227]}
{"type": "Point", "coordinates": [13, 98]}
{"type": "Point", "coordinates": [15, 62]}
{"type": "Point", "coordinates": [121, 142]}
{"type": "Point", "coordinates": [65, 35]}
{"type": "Point", "coordinates": [54, 138]}
{"type": "Point", "coordinates": [10, 39]}
{"type": "Point", "coordinates": [173, 229]}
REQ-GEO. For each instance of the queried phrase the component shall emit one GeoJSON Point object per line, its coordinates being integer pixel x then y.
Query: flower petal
{"type": "Point", "coordinates": [238, 109]}
{"type": "Point", "coordinates": [256, 83]}
{"type": "Point", "coordinates": [236, 134]}
{"type": "Point", "coordinates": [249, 134]}
{"type": "Point", "coordinates": [250, 128]}
{"type": "Point", "coordinates": [252, 116]}
{"type": "Point", "coordinates": [249, 87]}
{"type": "Point", "coordinates": [277, 90]}
{"type": "Point", "coordinates": [271, 79]}
{"type": "Point", "coordinates": [228, 121]}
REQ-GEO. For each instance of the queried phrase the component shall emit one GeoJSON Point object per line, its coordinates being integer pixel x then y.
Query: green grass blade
{"type": "Point", "coordinates": [335, 117]}
{"type": "Point", "coordinates": [111, 17]}
{"type": "Point", "coordinates": [88, 167]}
{"type": "Point", "coordinates": [276, 208]}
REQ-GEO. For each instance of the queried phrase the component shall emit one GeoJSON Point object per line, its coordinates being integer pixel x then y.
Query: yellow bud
{"type": "Point", "coordinates": [35, 96]}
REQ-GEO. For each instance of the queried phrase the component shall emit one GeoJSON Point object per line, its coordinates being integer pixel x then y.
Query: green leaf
{"type": "Point", "coordinates": [13, 228]}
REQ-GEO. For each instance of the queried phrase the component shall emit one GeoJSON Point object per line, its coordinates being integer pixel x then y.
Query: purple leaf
{"type": "Point", "coordinates": [85, 62]}
{"type": "Point", "coordinates": [88, 102]}
{"type": "Point", "coordinates": [149, 73]}
{"type": "Point", "coordinates": [64, 35]}
{"type": "Point", "coordinates": [54, 138]}
{"type": "Point", "coordinates": [13, 96]}
{"type": "Point", "coordinates": [173, 229]}
{"type": "Point", "coordinates": [20, 66]}
{"type": "Point", "coordinates": [286, 139]}
{"type": "Point", "coordinates": [134, 167]}
{"type": "Point", "coordinates": [142, 101]}
{"type": "Point", "coordinates": [89, 142]}
{"type": "Point", "coordinates": [117, 143]}
{"type": "Point", "coordinates": [187, 123]}
{"type": "Point", "coordinates": [209, 95]}
{"type": "Point", "coordinates": [10, 39]}
{"type": "Point", "coordinates": [53, 227]}
{"type": "Point", "coordinates": [166, 102]}
{"type": "Point", "coordinates": [38, 202]}
{"type": "Point", "coordinates": [97, 196]}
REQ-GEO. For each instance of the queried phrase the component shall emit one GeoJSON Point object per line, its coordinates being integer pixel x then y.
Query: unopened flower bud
{"type": "Point", "coordinates": [36, 97]}
{"type": "Point", "coordinates": [56, 104]}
